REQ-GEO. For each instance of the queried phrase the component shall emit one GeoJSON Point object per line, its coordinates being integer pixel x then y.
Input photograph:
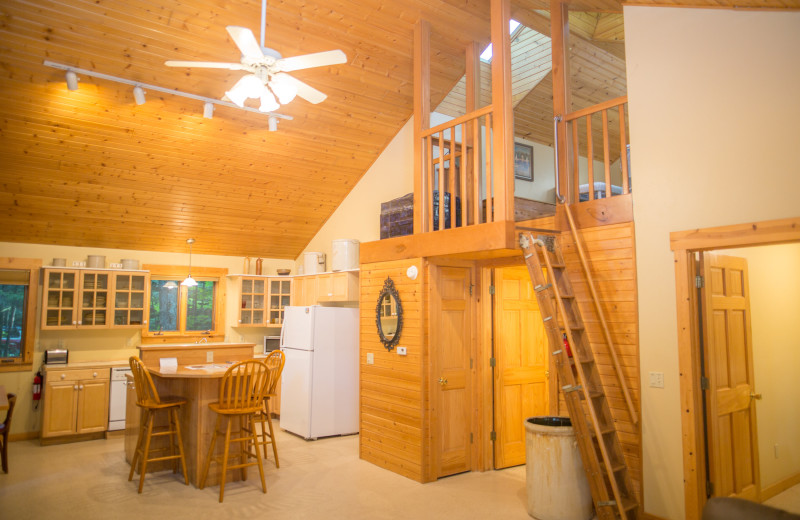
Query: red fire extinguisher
{"type": "Point", "coordinates": [566, 345]}
{"type": "Point", "coordinates": [37, 388]}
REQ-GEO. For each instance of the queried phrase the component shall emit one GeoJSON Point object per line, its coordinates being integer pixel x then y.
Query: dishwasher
{"type": "Point", "coordinates": [117, 397]}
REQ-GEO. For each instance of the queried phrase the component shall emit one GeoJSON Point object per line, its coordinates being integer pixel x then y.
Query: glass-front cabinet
{"type": "Point", "coordinates": [84, 298]}
{"type": "Point", "coordinates": [262, 300]}
{"type": "Point", "coordinates": [130, 296]}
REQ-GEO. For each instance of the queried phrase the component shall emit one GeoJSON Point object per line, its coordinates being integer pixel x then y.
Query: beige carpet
{"type": "Point", "coordinates": [321, 479]}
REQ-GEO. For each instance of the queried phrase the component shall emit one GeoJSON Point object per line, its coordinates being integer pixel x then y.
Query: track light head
{"type": "Point", "coordinates": [208, 110]}
{"type": "Point", "coordinates": [273, 123]}
{"type": "Point", "coordinates": [138, 95]}
{"type": "Point", "coordinates": [72, 80]}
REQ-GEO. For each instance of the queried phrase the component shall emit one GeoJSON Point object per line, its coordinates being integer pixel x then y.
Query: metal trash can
{"type": "Point", "coordinates": [556, 482]}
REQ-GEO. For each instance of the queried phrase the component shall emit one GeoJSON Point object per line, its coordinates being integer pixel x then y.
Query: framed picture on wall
{"type": "Point", "coordinates": [523, 162]}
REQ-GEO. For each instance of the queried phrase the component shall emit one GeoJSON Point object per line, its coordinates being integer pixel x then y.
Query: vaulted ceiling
{"type": "Point", "coordinates": [91, 168]}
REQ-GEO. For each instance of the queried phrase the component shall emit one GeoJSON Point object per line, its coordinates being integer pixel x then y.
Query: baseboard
{"type": "Point", "coordinates": [25, 436]}
{"type": "Point", "coordinates": [778, 487]}
{"type": "Point", "coordinates": [648, 516]}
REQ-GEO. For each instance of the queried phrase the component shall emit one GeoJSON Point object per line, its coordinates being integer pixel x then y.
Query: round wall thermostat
{"type": "Point", "coordinates": [412, 272]}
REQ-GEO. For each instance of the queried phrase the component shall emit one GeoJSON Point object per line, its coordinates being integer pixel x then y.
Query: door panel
{"type": "Point", "coordinates": [92, 406]}
{"type": "Point", "coordinates": [521, 368]}
{"type": "Point", "coordinates": [732, 436]}
{"type": "Point", "coordinates": [451, 385]}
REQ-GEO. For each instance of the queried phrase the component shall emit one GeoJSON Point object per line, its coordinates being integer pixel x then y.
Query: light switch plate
{"type": "Point", "coordinates": [210, 356]}
{"type": "Point", "coordinates": [370, 358]}
{"type": "Point", "coordinates": [657, 379]}
{"type": "Point", "coordinates": [401, 351]}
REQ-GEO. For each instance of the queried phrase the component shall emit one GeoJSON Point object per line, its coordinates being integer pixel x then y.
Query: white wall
{"type": "Point", "coordinates": [714, 105]}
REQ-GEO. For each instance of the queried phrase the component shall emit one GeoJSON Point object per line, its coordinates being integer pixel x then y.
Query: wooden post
{"type": "Point", "coordinates": [422, 120]}
{"type": "Point", "coordinates": [559, 34]}
{"type": "Point", "coordinates": [503, 128]}
{"type": "Point", "coordinates": [473, 93]}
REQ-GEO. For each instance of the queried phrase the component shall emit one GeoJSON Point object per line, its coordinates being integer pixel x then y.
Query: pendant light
{"type": "Point", "coordinates": [189, 281]}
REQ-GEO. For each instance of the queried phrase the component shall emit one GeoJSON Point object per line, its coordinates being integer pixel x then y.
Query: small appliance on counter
{"type": "Point", "coordinates": [271, 343]}
{"type": "Point", "coordinates": [57, 356]}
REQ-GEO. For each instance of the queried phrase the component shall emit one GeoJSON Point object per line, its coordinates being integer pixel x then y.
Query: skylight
{"type": "Point", "coordinates": [486, 55]}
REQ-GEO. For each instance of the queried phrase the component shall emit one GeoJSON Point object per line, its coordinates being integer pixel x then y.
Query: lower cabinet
{"type": "Point", "coordinates": [75, 401]}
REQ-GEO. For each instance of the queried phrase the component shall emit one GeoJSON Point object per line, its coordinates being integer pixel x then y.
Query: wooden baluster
{"type": "Point", "coordinates": [462, 174]}
{"type": "Point", "coordinates": [606, 159]}
{"type": "Point", "coordinates": [441, 180]}
{"type": "Point", "coordinates": [476, 170]}
{"type": "Point", "coordinates": [589, 157]}
{"type": "Point", "coordinates": [623, 150]}
{"type": "Point", "coordinates": [427, 224]}
{"type": "Point", "coordinates": [451, 178]}
{"type": "Point", "coordinates": [576, 164]}
{"type": "Point", "coordinates": [489, 173]}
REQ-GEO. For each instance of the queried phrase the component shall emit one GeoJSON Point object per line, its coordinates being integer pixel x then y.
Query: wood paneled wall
{"type": "Point", "coordinates": [393, 428]}
{"type": "Point", "coordinates": [611, 254]}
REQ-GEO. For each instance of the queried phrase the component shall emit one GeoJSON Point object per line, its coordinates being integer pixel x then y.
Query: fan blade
{"type": "Point", "coordinates": [317, 59]}
{"type": "Point", "coordinates": [244, 39]}
{"type": "Point", "coordinates": [205, 64]}
{"type": "Point", "coordinates": [306, 92]}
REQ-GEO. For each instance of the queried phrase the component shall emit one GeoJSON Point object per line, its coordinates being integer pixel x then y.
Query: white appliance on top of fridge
{"type": "Point", "coordinates": [319, 384]}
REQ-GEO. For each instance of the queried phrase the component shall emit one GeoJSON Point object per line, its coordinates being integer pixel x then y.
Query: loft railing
{"type": "Point", "coordinates": [583, 135]}
{"type": "Point", "coordinates": [457, 173]}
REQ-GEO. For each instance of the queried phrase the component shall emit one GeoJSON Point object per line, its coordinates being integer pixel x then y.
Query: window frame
{"type": "Point", "coordinates": [34, 267]}
{"type": "Point", "coordinates": [171, 272]}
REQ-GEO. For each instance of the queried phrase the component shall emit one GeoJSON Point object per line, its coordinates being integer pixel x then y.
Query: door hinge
{"type": "Point", "coordinates": [709, 489]}
{"type": "Point", "coordinates": [470, 288]}
{"type": "Point", "coordinates": [698, 282]}
{"type": "Point", "coordinates": [491, 289]}
{"type": "Point", "coordinates": [492, 362]}
{"type": "Point", "coordinates": [470, 362]}
{"type": "Point", "coordinates": [704, 383]}
{"type": "Point", "coordinates": [470, 438]}
{"type": "Point", "coordinates": [493, 436]}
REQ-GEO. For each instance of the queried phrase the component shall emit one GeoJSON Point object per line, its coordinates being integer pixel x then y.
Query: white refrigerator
{"type": "Point", "coordinates": [319, 384]}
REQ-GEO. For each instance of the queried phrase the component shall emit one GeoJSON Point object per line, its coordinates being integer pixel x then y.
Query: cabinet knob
{"type": "Point", "coordinates": [94, 374]}
{"type": "Point", "coordinates": [74, 322]}
{"type": "Point", "coordinates": [75, 387]}
{"type": "Point", "coordinates": [81, 387]}
{"type": "Point", "coordinates": [63, 376]}
{"type": "Point", "coordinates": [80, 323]}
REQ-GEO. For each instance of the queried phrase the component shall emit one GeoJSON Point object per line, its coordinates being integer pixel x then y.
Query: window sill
{"type": "Point", "coordinates": [16, 367]}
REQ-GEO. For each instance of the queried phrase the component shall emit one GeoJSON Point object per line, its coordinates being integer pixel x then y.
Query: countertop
{"type": "Point", "coordinates": [87, 364]}
{"type": "Point", "coordinates": [172, 346]}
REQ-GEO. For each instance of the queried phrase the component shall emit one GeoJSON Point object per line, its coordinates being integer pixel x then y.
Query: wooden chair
{"type": "Point", "coordinates": [241, 395]}
{"type": "Point", "coordinates": [148, 400]}
{"type": "Point", "coordinates": [4, 429]}
{"type": "Point", "coordinates": [274, 361]}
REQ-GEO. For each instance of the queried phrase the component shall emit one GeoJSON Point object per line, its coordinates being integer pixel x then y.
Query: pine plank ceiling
{"type": "Point", "coordinates": [91, 168]}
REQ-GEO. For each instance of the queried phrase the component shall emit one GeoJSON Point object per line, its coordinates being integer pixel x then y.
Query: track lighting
{"type": "Point", "coordinates": [72, 80]}
{"type": "Point", "coordinates": [273, 123]}
{"type": "Point", "coordinates": [208, 110]}
{"type": "Point", "coordinates": [209, 104]}
{"type": "Point", "coordinates": [138, 95]}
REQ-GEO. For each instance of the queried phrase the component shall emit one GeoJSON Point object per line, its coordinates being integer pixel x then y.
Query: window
{"type": "Point", "coordinates": [176, 310]}
{"type": "Point", "coordinates": [19, 281]}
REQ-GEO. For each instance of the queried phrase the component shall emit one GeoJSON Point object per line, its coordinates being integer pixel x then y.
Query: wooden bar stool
{"type": "Point", "coordinates": [241, 395]}
{"type": "Point", "coordinates": [275, 361]}
{"type": "Point", "coordinates": [148, 400]}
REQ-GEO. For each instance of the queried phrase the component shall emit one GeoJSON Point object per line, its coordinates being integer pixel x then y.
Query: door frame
{"type": "Point", "coordinates": [684, 245]}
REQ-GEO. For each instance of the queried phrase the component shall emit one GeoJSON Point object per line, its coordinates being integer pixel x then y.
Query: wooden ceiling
{"type": "Point", "coordinates": [91, 168]}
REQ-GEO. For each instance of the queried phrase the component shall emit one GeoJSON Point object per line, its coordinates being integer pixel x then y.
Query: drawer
{"type": "Point", "coordinates": [78, 374]}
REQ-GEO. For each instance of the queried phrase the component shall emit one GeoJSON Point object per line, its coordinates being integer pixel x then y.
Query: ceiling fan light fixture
{"type": "Point", "coordinates": [283, 88]}
{"type": "Point", "coordinates": [72, 80]}
{"type": "Point", "coordinates": [248, 86]}
{"type": "Point", "coordinates": [138, 95]}
{"type": "Point", "coordinates": [268, 103]}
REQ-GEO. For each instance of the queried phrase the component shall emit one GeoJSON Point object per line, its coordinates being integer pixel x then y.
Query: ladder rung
{"type": "Point", "coordinates": [604, 431]}
{"type": "Point", "coordinates": [629, 503]}
{"type": "Point", "coordinates": [615, 468]}
{"type": "Point", "coordinates": [577, 327]}
{"type": "Point", "coordinates": [558, 265]}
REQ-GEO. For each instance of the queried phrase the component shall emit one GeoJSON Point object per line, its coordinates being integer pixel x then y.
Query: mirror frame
{"type": "Point", "coordinates": [389, 290]}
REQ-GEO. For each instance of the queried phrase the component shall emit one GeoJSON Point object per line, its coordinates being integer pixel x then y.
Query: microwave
{"type": "Point", "coordinates": [271, 343]}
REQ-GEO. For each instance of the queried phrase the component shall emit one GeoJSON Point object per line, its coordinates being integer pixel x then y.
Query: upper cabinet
{"type": "Point", "coordinates": [312, 289]}
{"type": "Point", "coordinates": [103, 298]}
{"type": "Point", "coordinates": [263, 299]}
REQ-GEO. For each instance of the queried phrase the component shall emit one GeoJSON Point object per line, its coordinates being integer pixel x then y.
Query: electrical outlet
{"type": "Point", "coordinates": [401, 351]}
{"type": "Point", "coordinates": [657, 379]}
{"type": "Point", "coordinates": [370, 358]}
{"type": "Point", "coordinates": [210, 356]}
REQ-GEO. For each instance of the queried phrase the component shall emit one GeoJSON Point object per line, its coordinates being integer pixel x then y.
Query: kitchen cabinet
{"type": "Point", "coordinates": [341, 286]}
{"type": "Point", "coordinates": [304, 291]}
{"type": "Point", "coordinates": [75, 401]}
{"type": "Point", "coordinates": [263, 299]}
{"type": "Point", "coordinates": [103, 298]}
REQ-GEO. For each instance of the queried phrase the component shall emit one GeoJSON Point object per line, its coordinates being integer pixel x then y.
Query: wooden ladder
{"type": "Point", "coordinates": [601, 452]}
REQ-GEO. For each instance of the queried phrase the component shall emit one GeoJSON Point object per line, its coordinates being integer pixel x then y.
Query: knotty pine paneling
{"type": "Point", "coordinates": [392, 401]}
{"type": "Point", "coordinates": [610, 252]}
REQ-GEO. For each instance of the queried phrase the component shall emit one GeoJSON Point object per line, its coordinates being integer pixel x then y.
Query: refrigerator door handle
{"type": "Point", "coordinates": [283, 329]}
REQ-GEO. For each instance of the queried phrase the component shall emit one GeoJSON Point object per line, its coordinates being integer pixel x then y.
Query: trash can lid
{"type": "Point", "coordinates": [550, 421]}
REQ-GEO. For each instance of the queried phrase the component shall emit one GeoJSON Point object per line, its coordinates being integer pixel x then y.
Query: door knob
{"type": "Point", "coordinates": [754, 395]}
{"type": "Point", "coordinates": [442, 381]}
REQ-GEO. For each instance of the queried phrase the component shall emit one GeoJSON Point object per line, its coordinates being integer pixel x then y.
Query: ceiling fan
{"type": "Point", "coordinates": [267, 76]}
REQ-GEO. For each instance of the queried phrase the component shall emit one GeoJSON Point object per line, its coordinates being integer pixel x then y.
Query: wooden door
{"type": "Point", "coordinates": [92, 406]}
{"type": "Point", "coordinates": [60, 404]}
{"type": "Point", "coordinates": [450, 377]}
{"type": "Point", "coordinates": [732, 439]}
{"type": "Point", "coordinates": [521, 363]}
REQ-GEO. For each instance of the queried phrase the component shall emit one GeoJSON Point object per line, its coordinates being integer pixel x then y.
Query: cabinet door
{"type": "Point", "coordinates": [94, 294]}
{"type": "Point", "coordinates": [92, 406]}
{"type": "Point", "coordinates": [338, 287]}
{"type": "Point", "coordinates": [324, 287]}
{"type": "Point", "coordinates": [280, 296]}
{"type": "Point", "coordinates": [253, 293]}
{"type": "Point", "coordinates": [130, 298]}
{"type": "Point", "coordinates": [60, 403]}
{"type": "Point", "coordinates": [60, 299]}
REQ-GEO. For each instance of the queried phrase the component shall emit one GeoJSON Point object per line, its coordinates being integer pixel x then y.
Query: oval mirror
{"type": "Point", "coordinates": [389, 315]}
